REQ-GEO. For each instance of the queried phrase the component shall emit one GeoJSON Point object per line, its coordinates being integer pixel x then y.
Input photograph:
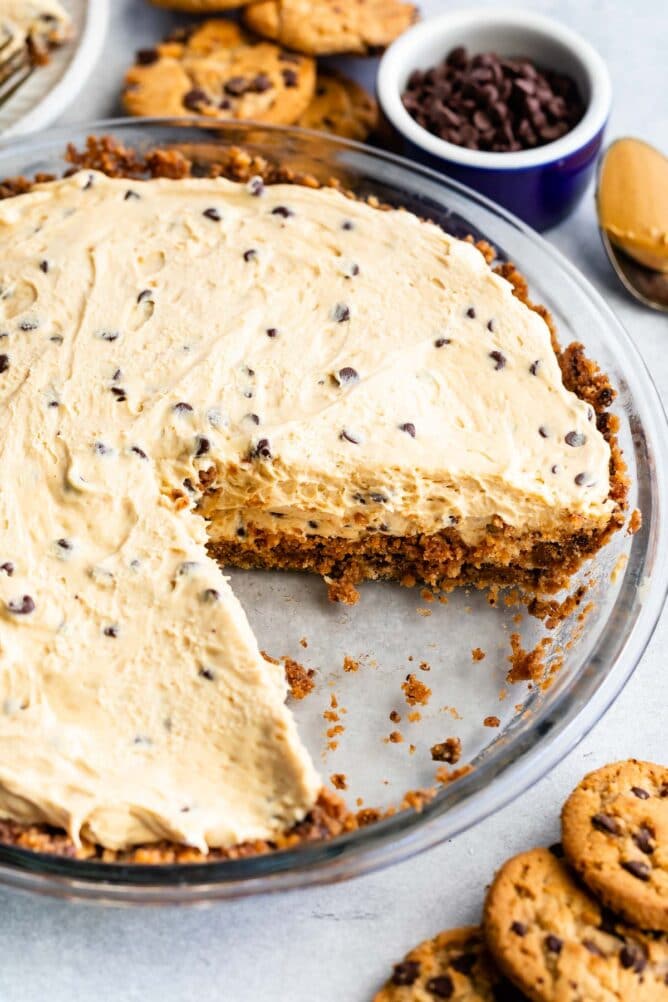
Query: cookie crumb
{"type": "Point", "coordinates": [299, 678]}
{"type": "Point", "coordinates": [395, 717]}
{"type": "Point", "coordinates": [492, 722]}
{"type": "Point", "coordinates": [339, 780]}
{"type": "Point", "coordinates": [303, 641]}
{"type": "Point", "coordinates": [445, 776]}
{"type": "Point", "coordinates": [635, 523]}
{"type": "Point", "coordinates": [423, 612]}
{"type": "Point", "coordinates": [350, 664]}
{"type": "Point", "coordinates": [425, 666]}
{"type": "Point", "coordinates": [449, 751]}
{"type": "Point", "coordinates": [478, 654]}
{"type": "Point", "coordinates": [426, 595]}
{"type": "Point", "coordinates": [395, 737]}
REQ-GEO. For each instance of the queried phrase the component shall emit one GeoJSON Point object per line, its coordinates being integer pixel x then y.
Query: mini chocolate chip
{"type": "Point", "coordinates": [581, 479]}
{"type": "Point", "coordinates": [633, 956]}
{"type": "Point", "coordinates": [592, 947]}
{"type": "Point", "coordinates": [225, 104]}
{"type": "Point", "coordinates": [130, 194]}
{"type": "Point", "coordinates": [543, 432]}
{"type": "Point", "coordinates": [262, 450]}
{"type": "Point", "coordinates": [206, 673]}
{"type": "Point", "coordinates": [405, 973]}
{"type": "Point", "coordinates": [312, 524]}
{"type": "Point", "coordinates": [138, 452]}
{"type": "Point", "coordinates": [519, 928]}
{"type": "Point", "coordinates": [110, 631]}
{"type": "Point", "coordinates": [7, 568]}
{"type": "Point", "coordinates": [272, 332]}
{"type": "Point", "coordinates": [470, 313]}
{"type": "Point", "coordinates": [643, 839]}
{"type": "Point", "coordinates": [440, 342]}
{"type": "Point", "coordinates": [250, 254]}
{"type": "Point", "coordinates": [441, 987]}
{"type": "Point", "coordinates": [21, 606]}
{"type": "Point", "coordinates": [89, 183]}
{"type": "Point", "coordinates": [499, 359]}
{"type": "Point", "coordinates": [282, 210]}
{"type": "Point", "coordinates": [44, 266]}
{"type": "Point", "coordinates": [491, 326]}
{"type": "Point", "coordinates": [554, 469]}
{"type": "Point", "coordinates": [202, 447]}
{"type": "Point", "coordinates": [553, 943]}
{"type": "Point", "coordinates": [255, 186]}
{"type": "Point", "coordinates": [101, 449]}
{"type": "Point", "coordinates": [354, 270]}
{"type": "Point", "coordinates": [377, 498]}
{"type": "Point", "coordinates": [533, 368]}
{"type": "Point", "coordinates": [4, 363]}
{"type": "Point", "coordinates": [290, 78]}
{"type": "Point", "coordinates": [347, 224]}
{"type": "Point", "coordinates": [606, 823]}
{"type": "Point", "coordinates": [409, 428]}
{"type": "Point", "coordinates": [640, 793]}
{"type": "Point", "coordinates": [119, 393]}
{"type": "Point", "coordinates": [194, 98]}
{"type": "Point", "coordinates": [349, 436]}
{"type": "Point", "coordinates": [341, 313]}
{"type": "Point", "coordinates": [348, 375]}
{"type": "Point", "coordinates": [182, 407]}
{"type": "Point", "coordinates": [575, 439]}
{"type": "Point", "coordinates": [241, 532]}
{"type": "Point", "coordinates": [210, 595]}
{"type": "Point", "coordinates": [64, 544]}
{"type": "Point", "coordinates": [638, 869]}
{"type": "Point", "coordinates": [147, 56]}
{"type": "Point", "coordinates": [28, 325]}
{"type": "Point", "coordinates": [557, 850]}
{"type": "Point", "coordinates": [212, 214]}
{"type": "Point", "coordinates": [144, 294]}
{"type": "Point", "coordinates": [108, 335]}
{"type": "Point", "coordinates": [252, 418]}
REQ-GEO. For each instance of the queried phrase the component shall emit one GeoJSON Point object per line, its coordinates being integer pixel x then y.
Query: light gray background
{"type": "Point", "coordinates": [338, 943]}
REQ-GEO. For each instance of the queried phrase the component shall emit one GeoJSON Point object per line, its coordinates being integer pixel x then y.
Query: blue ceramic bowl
{"type": "Point", "coordinates": [543, 185]}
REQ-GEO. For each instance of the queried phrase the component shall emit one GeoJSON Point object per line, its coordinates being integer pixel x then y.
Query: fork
{"type": "Point", "coordinates": [16, 64]}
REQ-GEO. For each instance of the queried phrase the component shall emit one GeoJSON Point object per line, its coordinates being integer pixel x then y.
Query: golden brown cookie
{"type": "Point", "coordinates": [340, 106]}
{"type": "Point", "coordinates": [200, 6]}
{"type": "Point", "coordinates": [455, 965]}
{"type": "Point", "coordinates": [220, 71]}
{"type": "Point", "coordinates": [615, 834]}
{"type": "Point", "coordinates": [324, 27]}
{"type": "Point", "coordinates": [556, 943]}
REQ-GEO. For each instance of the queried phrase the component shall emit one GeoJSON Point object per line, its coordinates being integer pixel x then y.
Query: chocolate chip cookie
{"type": "Point", "coordinates": [340, 106]}
{"type": "Point", "coordinates": [556, 943]}
{"type": "Point", "coordinates": [325, 27]}
{"type": "Point", "coordinates": [615, 833]}
{"type": "Point", "coordinates": [455, 965]}
{"type": "Point", "coordinates": [220, 71]}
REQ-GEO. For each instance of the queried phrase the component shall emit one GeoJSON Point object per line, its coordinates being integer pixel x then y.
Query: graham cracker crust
{"type": "Point", "coordinates": [441, 560]}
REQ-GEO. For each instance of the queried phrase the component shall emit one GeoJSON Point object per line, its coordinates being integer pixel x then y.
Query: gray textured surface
{"type": "Point", "coordinates": [337, 943]}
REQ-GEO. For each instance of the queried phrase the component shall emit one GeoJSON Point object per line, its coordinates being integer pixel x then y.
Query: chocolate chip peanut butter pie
{"type": "Point", "coordinates": [197, 372]}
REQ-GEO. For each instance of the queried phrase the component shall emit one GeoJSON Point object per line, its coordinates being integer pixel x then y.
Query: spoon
{"type": "Point", "coordinates": [632, 205]}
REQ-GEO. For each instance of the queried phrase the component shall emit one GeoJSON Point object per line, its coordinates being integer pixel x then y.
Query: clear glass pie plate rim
{"type": "Point", "coordinates": [556, 726]}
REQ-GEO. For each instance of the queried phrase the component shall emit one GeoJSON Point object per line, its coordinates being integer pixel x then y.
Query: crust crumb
{"type": "Point", "coordinates": [350, 664]}
{"type": "Point", "coordinates": [445, 776]}
{"type": "Point", "coordinates": [449, 751]}
{"type": "Point", "coordinates": [415, 691]}
{"type": "Point", "coordinates": [300, 678]}
{"type": "Point", "coordinates": [635, 522]}
{"type": "Point", "coordinates": [526, 665]}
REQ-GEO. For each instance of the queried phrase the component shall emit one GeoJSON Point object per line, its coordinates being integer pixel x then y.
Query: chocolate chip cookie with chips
{"type": "Point", "coordinates": [220, 71]}
{"type": "Point", "coordinates": [340, 106]}
{"type": "Point", "coordinates": [615, 834]}
{"type": "Point", "coordinates": [454, 965]}
{"type": "Point", "coordinates": [556, 943]}
{"type": "Point", "coordinates": [327, 27]}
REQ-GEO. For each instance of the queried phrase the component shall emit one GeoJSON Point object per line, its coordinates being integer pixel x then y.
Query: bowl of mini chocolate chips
{"type": "Point", "coordinates": [510, 103]}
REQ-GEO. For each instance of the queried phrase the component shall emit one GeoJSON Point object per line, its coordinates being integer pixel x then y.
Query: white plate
{"type": "Point", "coordinates": [53, 87]}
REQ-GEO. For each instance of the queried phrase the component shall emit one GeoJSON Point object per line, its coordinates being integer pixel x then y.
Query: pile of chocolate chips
{"type": "Point", "coordinates": [484, 102]}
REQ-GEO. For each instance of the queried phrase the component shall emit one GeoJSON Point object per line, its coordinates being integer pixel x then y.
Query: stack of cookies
{"type": "Point", "coordinates": [266, 70]}
{"type": "Point", "coordinates": [584, 921]}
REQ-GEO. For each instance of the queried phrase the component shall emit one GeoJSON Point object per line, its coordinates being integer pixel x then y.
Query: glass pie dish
{"type": "Point", "coordinates": [355, 723]}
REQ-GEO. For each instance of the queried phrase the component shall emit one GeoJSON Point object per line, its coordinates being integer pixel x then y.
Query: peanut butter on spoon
{"type": "Point", "coordinates": [633, 201]}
